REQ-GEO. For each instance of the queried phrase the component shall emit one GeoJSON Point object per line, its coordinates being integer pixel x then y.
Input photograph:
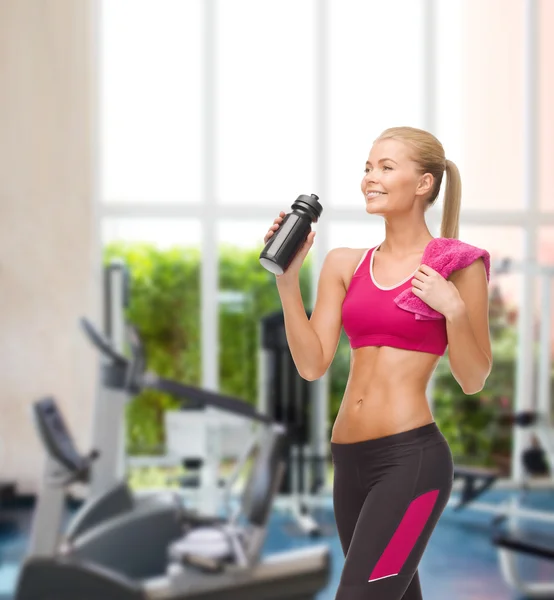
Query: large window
{"type": "Point", "coordinates": [265, 101]}
{"type": "Point", "coordinates": [217, 115]}
{"type": "Point", "coordinates": [160, 232]}
{"type": "Point", "coordinates": [373, 82]}
{"type": "Point", "coordinates": [151, 86]}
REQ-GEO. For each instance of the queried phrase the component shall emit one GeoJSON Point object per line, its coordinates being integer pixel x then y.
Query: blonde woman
{"type": "Point", "coordinates": [393, 468]}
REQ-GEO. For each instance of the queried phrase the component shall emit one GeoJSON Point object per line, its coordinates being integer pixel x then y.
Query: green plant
{"type": "Point", "coordinates": [165, 307]}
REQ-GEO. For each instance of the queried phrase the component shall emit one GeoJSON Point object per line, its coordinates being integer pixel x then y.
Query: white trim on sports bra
{"type": "Point", "coordinates": [381, 287]}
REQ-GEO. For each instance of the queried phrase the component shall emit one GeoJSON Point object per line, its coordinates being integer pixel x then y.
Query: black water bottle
{"type": "Point", "coordinates": [285, 243]}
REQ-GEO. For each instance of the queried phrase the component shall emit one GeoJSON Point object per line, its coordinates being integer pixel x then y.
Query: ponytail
{"type": "Point", "coordinates": [452, 201]}
{"type": "Point", "coordinates": [430, 157]}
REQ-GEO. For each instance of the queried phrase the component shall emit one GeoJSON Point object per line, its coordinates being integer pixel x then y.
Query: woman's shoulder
{"type": "Point", "coordinates": [345, 255]}
{"type": "Point", "coordinates": [448, 255]}
{"type": "Point", "coordinates": [345, 260]}
{"type": "Point", "coordinates": [346, 251]}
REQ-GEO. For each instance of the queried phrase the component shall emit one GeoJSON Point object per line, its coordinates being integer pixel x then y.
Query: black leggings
{"type": "Point", "coordinates": [388, 495]}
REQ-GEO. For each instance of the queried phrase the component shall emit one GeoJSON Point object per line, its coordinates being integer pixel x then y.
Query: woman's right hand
{"type": "Point", "coordinates": [293, 269]}
{"type": "Point", "coordinates": [274, 227]}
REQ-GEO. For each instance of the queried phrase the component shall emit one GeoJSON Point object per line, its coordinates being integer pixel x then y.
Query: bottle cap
{"type": "Point", "coordinates": [312, 204]}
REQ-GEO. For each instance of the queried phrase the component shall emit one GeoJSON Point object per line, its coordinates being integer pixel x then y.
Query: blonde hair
{"type": "Point", "coordinates": [429, 155]}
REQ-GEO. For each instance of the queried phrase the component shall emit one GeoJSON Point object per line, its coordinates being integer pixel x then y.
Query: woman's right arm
{"type": "Point", "coordinates": [312, 342]}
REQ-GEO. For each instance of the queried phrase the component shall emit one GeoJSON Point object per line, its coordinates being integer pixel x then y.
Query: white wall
{"type": "Point", "coordinates": [49, 271]}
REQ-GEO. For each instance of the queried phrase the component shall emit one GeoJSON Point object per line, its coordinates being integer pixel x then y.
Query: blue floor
{"type": "Point", "coordinates": [460, 562]}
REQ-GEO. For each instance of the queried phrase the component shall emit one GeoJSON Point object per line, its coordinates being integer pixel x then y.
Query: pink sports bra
{"type": "Point", "coordinates": [371, 317]}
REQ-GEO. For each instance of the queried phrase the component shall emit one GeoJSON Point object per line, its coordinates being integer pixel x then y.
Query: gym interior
{"type": "Point", "coordinates": [156, 440]}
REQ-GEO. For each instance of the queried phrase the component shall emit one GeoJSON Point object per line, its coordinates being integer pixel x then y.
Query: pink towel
{"type": "Point", "coordinates": [444, 255]}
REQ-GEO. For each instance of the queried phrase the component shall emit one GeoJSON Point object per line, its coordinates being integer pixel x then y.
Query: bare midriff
{"type": "Point", "coordinates": [386, 391]}
{"type": "Point", "coordinates": [385, 394]}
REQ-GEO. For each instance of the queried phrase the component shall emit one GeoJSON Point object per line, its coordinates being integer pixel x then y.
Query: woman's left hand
{"type": "Point", "coordinates": [436, 291]}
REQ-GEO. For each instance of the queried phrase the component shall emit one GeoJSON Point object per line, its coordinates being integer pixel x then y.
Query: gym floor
{"type": "Point", "coordinates": [460, 562]}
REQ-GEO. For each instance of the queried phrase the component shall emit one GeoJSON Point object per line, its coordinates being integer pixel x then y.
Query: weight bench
{"type": "Point", "coordinates": [520, 543]}
{"type": "Point", "coordinates": [510, 545]}
{"type": "Point", "coordinates": [477, 480]}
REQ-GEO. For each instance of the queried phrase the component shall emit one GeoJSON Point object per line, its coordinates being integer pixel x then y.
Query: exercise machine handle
{"type": "Point", "coordinates": [203, 397]}
{"type": "Point", "coordinates": [101, 343]}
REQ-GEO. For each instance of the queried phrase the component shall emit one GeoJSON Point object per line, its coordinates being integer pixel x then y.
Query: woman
{"type": "Point", "coordinates": [393, 468]}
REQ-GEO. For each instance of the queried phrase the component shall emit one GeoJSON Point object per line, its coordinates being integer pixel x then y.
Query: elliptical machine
{"type": "Point", "coordinates": [165, 555]}
{"type": "Point", "coordinates": [110, 526]}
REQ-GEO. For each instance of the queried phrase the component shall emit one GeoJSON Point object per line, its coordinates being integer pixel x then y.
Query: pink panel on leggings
{"type": "Point", "coordinates": [405, 537]}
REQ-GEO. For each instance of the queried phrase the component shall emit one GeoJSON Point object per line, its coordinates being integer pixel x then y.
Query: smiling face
{"type": "Point", "coordinates": [392, 180]}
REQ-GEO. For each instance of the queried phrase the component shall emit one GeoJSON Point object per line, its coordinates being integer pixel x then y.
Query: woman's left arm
{"type": "Point", "coordinates": [467, 326]}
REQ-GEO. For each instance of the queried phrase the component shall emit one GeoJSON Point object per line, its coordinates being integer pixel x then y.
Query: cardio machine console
{"type": "Point", "coordinates": [56, 438]}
